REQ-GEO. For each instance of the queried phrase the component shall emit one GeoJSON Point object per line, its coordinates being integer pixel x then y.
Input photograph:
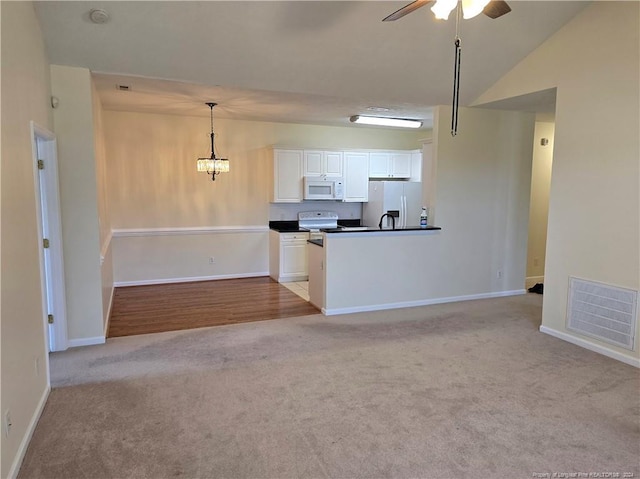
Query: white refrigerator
{"type": "Point", "coordinates": [402, 199]}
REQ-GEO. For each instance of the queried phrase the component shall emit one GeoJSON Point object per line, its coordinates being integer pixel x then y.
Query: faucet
{"type": "Point", "coordinates": [393, 221]}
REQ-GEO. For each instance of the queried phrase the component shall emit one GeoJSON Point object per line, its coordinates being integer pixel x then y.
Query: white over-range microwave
{"type": "Point", "coordinates": [323, 188]}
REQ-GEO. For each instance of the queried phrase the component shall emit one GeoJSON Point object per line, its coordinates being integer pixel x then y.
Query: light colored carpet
{"type": "Point", "coordinates": [448, 391]}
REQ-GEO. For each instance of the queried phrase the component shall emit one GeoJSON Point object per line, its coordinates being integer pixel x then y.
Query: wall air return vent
{"type": "Point", "coordinates": [601, 311]}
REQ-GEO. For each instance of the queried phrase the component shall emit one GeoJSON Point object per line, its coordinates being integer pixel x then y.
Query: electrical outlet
{"type": "Point", "coordinates": [37, 366]}
{"type": "Point", "coordinates": [211, 260]}
{"type": "Point", "coordinates": [499, 274]}
{"type": "Point", "coordinates": [536, 261]}
{"type": "Point", "coordinates": [7, 423]}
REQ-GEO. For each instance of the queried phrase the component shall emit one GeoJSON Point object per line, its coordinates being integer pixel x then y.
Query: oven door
{"type": "Point", "coordinates": [315, 234]}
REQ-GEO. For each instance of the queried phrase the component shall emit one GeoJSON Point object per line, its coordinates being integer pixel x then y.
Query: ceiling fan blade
{"type": "Point", "coordinates": [496, 8]}
{"type": "Point", "coordinates": [407, 9]}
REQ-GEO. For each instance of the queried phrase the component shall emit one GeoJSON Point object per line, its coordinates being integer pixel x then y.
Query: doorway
{"type": "Point", "coordinates": [45, 161]}
{"type": "Point", "coordinates": [539, 203]}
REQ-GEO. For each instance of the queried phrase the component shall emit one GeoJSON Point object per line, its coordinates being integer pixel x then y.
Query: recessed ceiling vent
{"type": "Point", "coordinates": [601, 311]}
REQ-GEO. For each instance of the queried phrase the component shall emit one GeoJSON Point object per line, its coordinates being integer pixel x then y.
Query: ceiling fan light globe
{"type": "Point", "coordinates": [472, 8]}
{"type": "Point", "coordinates": [443, 8]}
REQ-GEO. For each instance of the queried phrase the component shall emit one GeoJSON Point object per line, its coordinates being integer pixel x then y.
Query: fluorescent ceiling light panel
{"type": "Point", "coordinates": [381, 121]}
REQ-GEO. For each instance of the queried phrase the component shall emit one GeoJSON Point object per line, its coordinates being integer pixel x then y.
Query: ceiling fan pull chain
{"type": "Point", "coordinates": [456, 73]}
{"type": "Point", "coordinates": [456, 88]}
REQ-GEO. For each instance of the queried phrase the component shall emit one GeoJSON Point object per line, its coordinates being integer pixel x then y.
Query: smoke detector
{"type": "Point", "coordinates": [99, 16]}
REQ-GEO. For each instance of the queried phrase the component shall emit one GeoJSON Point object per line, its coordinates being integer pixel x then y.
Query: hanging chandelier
{"type": "Point", "coordinates": [213, 166]}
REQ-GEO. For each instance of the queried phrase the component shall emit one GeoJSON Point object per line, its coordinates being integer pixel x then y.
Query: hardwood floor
{"type": "Point", "coordinates": [171, 307]}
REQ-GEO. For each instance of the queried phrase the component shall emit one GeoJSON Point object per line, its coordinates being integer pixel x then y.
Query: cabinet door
{"type": "Point", "coordinates": [400, 165]}
{"type": "Point", "coordinates": [294, 259]}
{"type": "Point", "coordinates": [287, 178]}
{"type": "Point", "coordinates": [356, 178]}
{"type": "Point", "coordinates": [313, 163]}
{"type": "Point", "coordinates": [379, 165]}
{"type": "Point", "coordinates": [333, 163]}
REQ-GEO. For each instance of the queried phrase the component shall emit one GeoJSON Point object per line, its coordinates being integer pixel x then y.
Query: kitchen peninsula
{"type": "Point", "coordinates": [368, 268]}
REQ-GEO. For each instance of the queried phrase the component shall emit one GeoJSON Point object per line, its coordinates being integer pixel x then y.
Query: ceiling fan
{"type": "Point", "coordinates": [442, 8]}
{"type": "Point", "coordinates": [466, 9]}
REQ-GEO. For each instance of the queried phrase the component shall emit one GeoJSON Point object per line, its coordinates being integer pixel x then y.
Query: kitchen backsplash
{"type": "Point", "coordinates": [289, 211]}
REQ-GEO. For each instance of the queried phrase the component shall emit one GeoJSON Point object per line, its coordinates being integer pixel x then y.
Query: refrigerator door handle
{"type": "Point", "coordinates": [403, 222]}
{"type": "Point", "coordinates": [406, 212]}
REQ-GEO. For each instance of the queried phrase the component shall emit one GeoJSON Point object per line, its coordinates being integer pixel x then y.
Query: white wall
{"type": "Point", "coordinates": [25, 97]}
{"type": "Point", "coordinates": [74, 127]}
{"type": "Point", "coordinates": [289, 211]}
{"type": "Point", "coordinates": [539, 209]}
{"type": "Point", "coordinates": [594, 212]}
{"type": "Point", "coordinates": [153, 185]}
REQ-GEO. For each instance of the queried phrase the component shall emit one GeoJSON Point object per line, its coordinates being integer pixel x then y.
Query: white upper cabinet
{"type": "Point", "coordinates": [323, 163]}
{"type": "Point", "coordinates": [400, 165]}
{"type": "Point", "coordinates": [390, 165]}
{"type": "Point", "coordinates": [416, 165]}
{"type": "Point", "coordinates": [356, 167]}
{"type": "Point", "coordinates": [356, 177]}
{"type": "Point", "coordinates": [287, 176]}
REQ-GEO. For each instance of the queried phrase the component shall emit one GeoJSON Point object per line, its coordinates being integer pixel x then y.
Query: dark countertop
{"type": "Point", "coordinates": [375, 229]}
{"type": "Point", "coordinates": [292, 226]}
{"type": "Point", "coordinates": [317, 242]}
{"type": "Point", "coordinates": [284, 226]}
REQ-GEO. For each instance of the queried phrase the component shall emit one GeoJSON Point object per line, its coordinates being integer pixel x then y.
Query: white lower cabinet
{"type": "Point", "coordinates": [288, 256]}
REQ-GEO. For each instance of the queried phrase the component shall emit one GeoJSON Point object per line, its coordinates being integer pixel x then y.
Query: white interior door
{"type": "Point", "coordinates": [49, 227]}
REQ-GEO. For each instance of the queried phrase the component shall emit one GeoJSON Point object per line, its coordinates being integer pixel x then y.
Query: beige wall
{"type": "Point", "coordinates": [152, 183]}
{"type": "Point", "coordinates": [104, 221]}
{"type": "Point", "coordinates": [74, 127]}
{"type": "Point", "coordinates": [152, 178]}
{"type": "Point", "coordinates": [539, 209]}
{"type": "Point", "coordinates": [25, 97]}
{"type": "Point", "coordinates": [482, 185]}
{"type": "Point", "coordinates": [593, 230]}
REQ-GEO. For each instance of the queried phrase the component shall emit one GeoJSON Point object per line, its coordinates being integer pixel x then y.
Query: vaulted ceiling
{"type": "Point", "coordinates": [292, 61]}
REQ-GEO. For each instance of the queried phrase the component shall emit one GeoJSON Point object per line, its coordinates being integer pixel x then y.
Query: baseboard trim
{"type": "Point", "coordinates": [422, 302]}
{"type": "Point", "coordinates": [596, 348]}
{"type": "Point", "coordinates": [76, 343]}
{"type": "Point", "coordinates": [24, 444]}
{"type": "Point", "coordinates": [192, 279]}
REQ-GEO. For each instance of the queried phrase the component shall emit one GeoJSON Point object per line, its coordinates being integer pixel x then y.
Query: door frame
{"type": "Point", "coordinates": [52, 281]}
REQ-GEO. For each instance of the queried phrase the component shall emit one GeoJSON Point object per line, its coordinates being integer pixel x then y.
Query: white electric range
{"type": "Point", "coordinates": [315, 221]}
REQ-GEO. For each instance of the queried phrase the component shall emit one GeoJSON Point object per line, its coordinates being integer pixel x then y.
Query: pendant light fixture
{"type": "Point", "coordinates": [213, 166]}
